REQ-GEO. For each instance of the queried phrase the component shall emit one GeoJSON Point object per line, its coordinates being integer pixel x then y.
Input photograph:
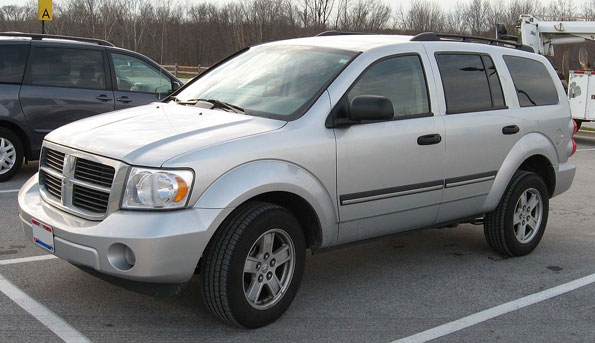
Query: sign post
{"type": "Point", "coordinates": [44, 12]}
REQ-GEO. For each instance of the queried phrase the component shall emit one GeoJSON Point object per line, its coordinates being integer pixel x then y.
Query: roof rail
{"type": "Point", "coordinates": [339, 33]}
{"type": "Point", "coordinates": [431, 36]}
{"type": "Point", "coordinates": [38, 36]}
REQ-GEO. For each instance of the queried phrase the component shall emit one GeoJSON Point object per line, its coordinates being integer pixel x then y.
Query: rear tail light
{"type": "Point", "coordinates": [575, 127]}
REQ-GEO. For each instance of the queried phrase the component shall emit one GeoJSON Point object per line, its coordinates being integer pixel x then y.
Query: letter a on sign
{"type": "Point", "coordinates": [44, 10]}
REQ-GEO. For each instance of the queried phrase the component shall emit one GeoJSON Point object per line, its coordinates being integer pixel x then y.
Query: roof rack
{"type": "Point", "coordinates": [431, 36]}
{"type": "Point", "coordinates": [37, 36]}
{"type": "Point", "coordinates": [339, 33]}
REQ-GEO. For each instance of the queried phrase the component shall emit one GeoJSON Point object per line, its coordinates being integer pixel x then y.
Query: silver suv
{"type": "Point", "coordinates": [305, 144]}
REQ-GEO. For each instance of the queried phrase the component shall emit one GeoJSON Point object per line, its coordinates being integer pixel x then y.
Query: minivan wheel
{"type": "Point", "coordinates": [517, 225]}
{"type": "Point", "coordinates": [252, 268]}
{"type": "Point", "coordinates": [11, 154]}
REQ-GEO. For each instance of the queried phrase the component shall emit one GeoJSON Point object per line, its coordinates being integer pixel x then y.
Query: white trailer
{"type": "Point", "coordinates": [542, 36]}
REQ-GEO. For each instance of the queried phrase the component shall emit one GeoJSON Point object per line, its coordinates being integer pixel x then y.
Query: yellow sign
{"type": "Point", "coordinates": [44, 10]}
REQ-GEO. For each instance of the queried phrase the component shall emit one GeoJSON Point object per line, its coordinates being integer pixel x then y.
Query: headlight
{"type": "Point", "coordinates": [157, 189]}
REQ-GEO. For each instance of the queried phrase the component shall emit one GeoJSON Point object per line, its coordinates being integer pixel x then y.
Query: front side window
{"type": "Point", "coordinates": [74, 68]}
{"type": "Point", "coordinates": [135, 75]}
{"type": "Point", "coordinates": [400, 79]}
{"type": "Point", "coordinates": [533, 83]}
{"type": "Point", "coordinates": [12, 62]}
{"type": "Point", "coordinates": [271, 81]}
{"type": "Point", "coordinates": [469, 84]}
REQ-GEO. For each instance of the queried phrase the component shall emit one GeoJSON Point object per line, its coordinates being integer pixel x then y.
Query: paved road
{"type": "Point", "coordinates": [374, 292]}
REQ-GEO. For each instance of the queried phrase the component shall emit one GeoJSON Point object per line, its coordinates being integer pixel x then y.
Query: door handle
{"type": "Point", "coordinates": [103, 97]}
{"type": "Point", "coordinates": [124, 99]}
{"type": "Point", "coordinates": [429, 139]}
{"type": "Point", "coordinates": [510, 130]}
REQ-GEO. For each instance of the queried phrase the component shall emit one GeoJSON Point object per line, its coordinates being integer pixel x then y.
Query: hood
{"type": "Point", "coordinates": [152, 134]}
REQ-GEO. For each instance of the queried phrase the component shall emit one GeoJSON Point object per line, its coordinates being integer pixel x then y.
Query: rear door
{"type": "Point", "coordinates": [137, 81]}
{"type": "Point", "coordinates": [480, 130]}
{"type": "Point", "coordinates": [63, 84]}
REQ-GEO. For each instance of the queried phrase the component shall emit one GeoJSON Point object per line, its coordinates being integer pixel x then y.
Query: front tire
{"type": "Point", "coordinates": [516, 226]}
{"type": "Point", "coordinates": [11, 154]}
{"type": "Point", "coordinates": [252, 268]}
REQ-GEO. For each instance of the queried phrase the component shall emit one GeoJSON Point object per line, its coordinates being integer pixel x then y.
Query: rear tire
{"type": "Point", "coordinates": [11, 154]}
{"type": "Point", "coordinates": [516, 226]}
{"type": "Point", "coordinates": [252, 268]}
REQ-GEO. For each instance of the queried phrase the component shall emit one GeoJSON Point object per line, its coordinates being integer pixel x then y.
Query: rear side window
{"type": "Point", "coordinates": [470, 83]}
{"type": "Point", "coordinates": [533, 83]}
{"type": "Point", "coordinates": [12, 62]}
{"type": "Point", "coordinates": [74, 68]}
{"type": "Point", "coordinates": [400, 79]}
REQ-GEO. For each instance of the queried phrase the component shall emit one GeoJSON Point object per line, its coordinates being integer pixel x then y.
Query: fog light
{"type": "Point", "coordinates": [121, 257]}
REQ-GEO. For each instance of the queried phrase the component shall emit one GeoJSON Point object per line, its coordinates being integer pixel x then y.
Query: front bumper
{"type": "Point", "coordinates": [166, 245]}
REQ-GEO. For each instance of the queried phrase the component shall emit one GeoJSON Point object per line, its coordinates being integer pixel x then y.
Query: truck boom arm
{"type": "Point", "coordinates": [543, 35]}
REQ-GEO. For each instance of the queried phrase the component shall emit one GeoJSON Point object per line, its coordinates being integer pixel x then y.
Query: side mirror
{"type": "Point", "coordinates": [370, 107]}
{"type": "Point", "coordinates": [177, 85]}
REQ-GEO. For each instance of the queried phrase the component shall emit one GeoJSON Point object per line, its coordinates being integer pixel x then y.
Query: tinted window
{"type": "Point", "coordinates": [465, 83]}
{"type": "Point", "coordinates": [533, 83]}
{"type": "Point", "coordinates": [12, 62]}
{"type": "Point", "coordinates": [401, 80]}
{"type": "Point", "coordinates": [73, 68]}
{"type": "Point", "coordinates": [494, 82]}
{"type": "Point", "coordinates": [135, 75]}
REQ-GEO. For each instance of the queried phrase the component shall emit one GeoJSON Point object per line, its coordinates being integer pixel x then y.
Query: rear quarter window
{"type": "Point", "coordinates": [12, 62]}
{"type": "Point", "coordinates": [533, 83]}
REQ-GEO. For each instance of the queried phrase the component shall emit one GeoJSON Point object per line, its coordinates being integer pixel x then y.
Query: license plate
{"type": "Point", "coordinates": [43, 235]}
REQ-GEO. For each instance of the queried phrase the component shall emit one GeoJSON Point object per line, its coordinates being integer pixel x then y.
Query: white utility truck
{"type": "Point", "coordinates": [543, 35]}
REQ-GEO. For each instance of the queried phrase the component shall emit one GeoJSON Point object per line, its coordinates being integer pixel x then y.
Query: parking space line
{"type": "Point", "coordinates": [45, 316]}
{"type": "Point", "coordinates": [590, 149]}
{"type": "Point", "coordinates": [9, 191]}
{"type": "Point", "coordinates": [493, 312]}
{"type": "Point", "coordinates": [27, 259]}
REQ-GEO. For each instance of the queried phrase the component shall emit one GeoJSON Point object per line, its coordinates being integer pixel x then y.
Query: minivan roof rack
{"type": "Point", "coordinates": [431, 36]}
{"type": "Point", "coordinates": [38, 36]}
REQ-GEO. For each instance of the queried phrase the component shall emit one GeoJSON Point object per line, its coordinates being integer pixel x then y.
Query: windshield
{"type": "Point", "coordinates": [279, 82]}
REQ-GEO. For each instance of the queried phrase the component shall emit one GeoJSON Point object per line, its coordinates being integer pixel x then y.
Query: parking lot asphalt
{"type": "Point", "coordinates": [380, 291]}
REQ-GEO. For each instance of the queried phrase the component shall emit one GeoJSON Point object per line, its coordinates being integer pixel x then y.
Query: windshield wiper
{"type": "Point", "coordinates": [222, 104]}
{"type": "Point", "coordinates": [216, 104]}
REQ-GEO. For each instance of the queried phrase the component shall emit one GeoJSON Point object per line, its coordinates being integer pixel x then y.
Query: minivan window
{"type": "Point", "coordinates": [533, 83]}
{"type": "Point", "coordinates": [465, 83]}
{"type": "Point", "coordinates": [134, 75]}
{"type": "Point", "coordinates": [12, 63]}
{"type": "Point", "coordinates": [400, 79]}
{"type": "Point", "coordinates": [271, 81]}
{"type": "Point", "coordinates": [62, 67]}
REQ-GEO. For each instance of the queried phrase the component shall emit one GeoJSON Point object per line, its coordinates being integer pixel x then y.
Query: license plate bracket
{"type": "Point", "coordinates": [43, 235]}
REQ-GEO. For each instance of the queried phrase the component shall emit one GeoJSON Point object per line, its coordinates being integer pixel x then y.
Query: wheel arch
{"type": "Point", "coordinates": [282, 183]}
{"type": "Point", "coordinates": [21, 134]}
{"type": "Point", "coordinates": [533, 152]}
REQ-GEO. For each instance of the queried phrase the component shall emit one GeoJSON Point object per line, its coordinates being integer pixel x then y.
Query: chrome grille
{"type": "Point", "coordinates": [89, 199]}
{"type": "Point", "coordinates": [53, 159]}
{"type": "Point", "coordinates": [94, 172]}
{"type": "Point", "coordinates": [80, 183]}
{"type": "Point", "coordinates": [52, 184]}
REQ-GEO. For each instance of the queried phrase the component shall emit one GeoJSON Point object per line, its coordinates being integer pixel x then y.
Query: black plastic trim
{"type": "Point", "coordinates": [469, 177]}
{"type": "Point", "coordinates": [383, 191]}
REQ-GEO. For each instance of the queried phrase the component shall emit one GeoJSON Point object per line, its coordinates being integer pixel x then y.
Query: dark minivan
{"type": "Point", "coordinates": [47, 81]}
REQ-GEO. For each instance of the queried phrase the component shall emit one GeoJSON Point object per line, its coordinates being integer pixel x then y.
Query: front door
{"type": "Point", "coordinates": [390, 173]}
{"type": "Point", "coordinates": [137, 82]}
